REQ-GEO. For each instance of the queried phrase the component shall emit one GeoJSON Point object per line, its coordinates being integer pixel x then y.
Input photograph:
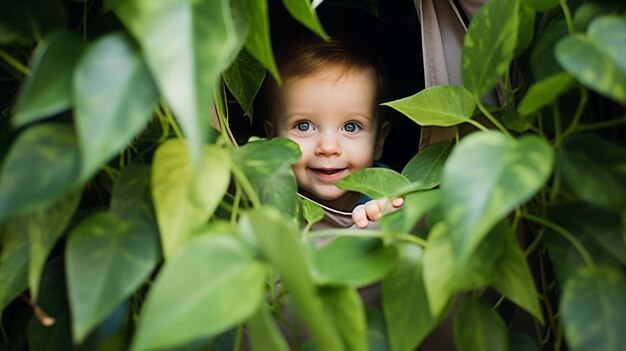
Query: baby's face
{"type": "Point", "coordinates": [331, 115]}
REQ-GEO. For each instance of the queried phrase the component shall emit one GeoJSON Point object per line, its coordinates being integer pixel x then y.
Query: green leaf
{"type": "Point", "coordinates": [43, 228]}
{"type": "Point", "coordinates": [404, 301]}
{"type": "Point", "coordinates": [14, 258]}
{"type": "Point", "coordinates": [443, 105]}
{"type": "Point", "coordinates": [259, 42]}
{"type": "Point", "coordinates": [445, 274]}
{"type": "Point", "coordinates": [184, 200]}
{"type": "Point", "coordinates": [24, 21]}
{"type": "Point", "coordinates": [303, 12]}
{"type": "Point", "coordinates": [522, 342]}
{"type": "Point", "coordinates": [311, 211]}
{"type": "Point", "coordinates": [603, 182]}
{"type": "Point", "coordinates": [587, 12]}
{"type": "Point", "coordinates": [593, 61]}
{"type": "Point", "coordinates": [592, 306]}
{"type": "Point", "coordinates": [374, 182]}
{"type": "Point", "coordinates": [486, 176]}
{"type": "Point", "coordinates": [353, 261]}
{"type": "Point", "coordinates": [107, 259]}
{"type": "Point", "coordinates": [511, 276]}
{"type": "Point", "coordinates": [114, 96]}
{"type": "Point", "coordinates": [517, 122]}
{"type": "Point", "coordinates": [264, 334]}
{"type": "Point", "coordinates": [544, 93]}
{"type": "Point", "coordinates": [541, 5]}
{"type": "Point", "coordinates": [489, 45]}
{"type": "Point", "coordinates": [187, 45]}
{"type": "Point", "coordinates": [244, 78]}
{"type": "Point", "coordinates": [376, 330]}
{"type": "Point", "coordinates": [48, 87]}
{"type": "Point", "coordinates": [414, 208]}
{"type": "Point", "coordinates": [41, 166]}
{"type": "Point", "coordinates": [272, 177]}
{"type": "Point", "coordinates": [543, 63]}
{"type": "Point", "coordinates": [344, 306]}
{"type": "Point", "coordinates": [130, 197]}
{"type": "Point", "coordinates": [526, 31]}
{"type": "Point", "coordinates": [426, 166]}
{"type": "Point", "coordinates": [278, 240]}
{"type": "Point", "coordinates": [478, 327]}
{"type": "Point", "coordinates": [211, 284]}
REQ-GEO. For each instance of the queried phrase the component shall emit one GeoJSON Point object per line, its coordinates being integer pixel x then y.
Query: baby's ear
{"type": "Point", "coordinates": [270, 131]}
{"type": "Point", "coordinates": [383, 131]}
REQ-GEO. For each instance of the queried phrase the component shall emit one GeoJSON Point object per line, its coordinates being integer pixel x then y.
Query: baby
{"type": "Point", "coordinates": [328, 105]}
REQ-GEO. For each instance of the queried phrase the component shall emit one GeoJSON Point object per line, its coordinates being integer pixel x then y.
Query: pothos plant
{"type": "Point", "coordinates": [130, 222]}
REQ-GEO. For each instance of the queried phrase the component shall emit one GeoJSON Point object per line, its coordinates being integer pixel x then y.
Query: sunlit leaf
{"type": "Point", "coordinates": [264, 334]}
{"type": "Point", "coordinates": [511, 276]}
{"type": "Point", "coordinates": [277, 238]}
{"type": "Point", "coordinates": [596, 59]}
{"type": "Point", "coordinates": [184, 200]}
{"type": "Point", "coordinates": [544, 92]}
{"type": "Point", "coordinates": [414, 208]}
{"type": "Point", "coordinates": [208, 286]}
{"type": "Point", "coordinates": [426, 166]}
{"type": "Point", "coordinates": [14, 257]}
{"type": "Point", "coordinates": [43, 228]}
{"type": "Point", "coordinates": [107, 259]}
{"type": "Point", "coordinates": [486, 176]}
{"type": "Point", "coordinates": [591, 309]}
{"type": "Point", "coordinates": [115, 97]}
{"type": "Point", "coordinates": [487, 332]}
{"type": "Point", "coordinates": [48, 87]}
{"type": "Point", "coordinates": [603, 181]}
{"type": "Point", "coordinates": [489, 45]}
{"type": "Point", "coordinates": [259, 42]}
{"type": "Point", "coordinates": [374, 182]}
{"type": "Point", "coordinates": [303, 12]}
{"type": "Point", "coordinates": [344, 306]}
{"type": "Point", "coordinates": [244, 78]}
{"type": "Point", "coordinates": [42, 165]}
{"type": "Point", "coordinates": [353, 261]}
{"type": "Point", "coordinates": [443, 105]}
{"type": "Point", "coordinates": [404, 301]}
{"type": "Point", "coordinates": [187, 45]}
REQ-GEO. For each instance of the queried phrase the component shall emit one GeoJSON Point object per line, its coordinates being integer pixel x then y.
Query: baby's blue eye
{"type": "Point", "coordinates": [350, 127]}
{"type": "Point", "coordinates": [303, 126]}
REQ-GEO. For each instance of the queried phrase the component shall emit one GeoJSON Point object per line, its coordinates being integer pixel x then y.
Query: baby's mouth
{"type": "Point", "coordinates": [328, 171]}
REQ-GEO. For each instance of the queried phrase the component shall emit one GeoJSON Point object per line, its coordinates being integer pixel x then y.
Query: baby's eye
{"type": "Point", "coordinates": [303, 126]}
{"type": "Point", "coordinates": [351, 127]}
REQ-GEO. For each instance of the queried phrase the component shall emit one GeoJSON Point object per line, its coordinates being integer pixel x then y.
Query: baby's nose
{"type": "Point", "coordinates": [328, 145]}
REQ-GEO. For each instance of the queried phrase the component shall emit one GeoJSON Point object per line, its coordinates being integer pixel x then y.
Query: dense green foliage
{"type": "Point", "coordinates": [129, 222]}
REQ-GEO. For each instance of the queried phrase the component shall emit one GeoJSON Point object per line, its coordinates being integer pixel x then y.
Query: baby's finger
{"type": "Point", "coordinates": [397, 202]}
{"type": "Point", "coordinates": [373, 209]}
{"type": "Point", "coordinates": [359, 217]}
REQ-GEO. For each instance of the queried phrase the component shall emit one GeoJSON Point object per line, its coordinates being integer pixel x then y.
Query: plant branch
{"type": "Point", "coordinates": [600, 125]}
{"type": "Point", "coordinates": [410, 238]}
{"type": "Point", "coordinates": [13, 62]}
{"type": "Point", "coordinates": [584, 96]}
{"type": "Point", "coordinates": [246, 185]}
{"type": "Point", "coordinates": [236, 201]}
{"type": "Point", "coordinates": [492, 119]}
{"type": "Point", "coordinates": [584, 254]}
{"type": "Point", "coordinates": [556, 115]}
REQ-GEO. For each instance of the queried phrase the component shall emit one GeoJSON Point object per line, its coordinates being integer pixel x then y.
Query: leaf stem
{"type": "Point", "coordinates": [13, 62]}
{"type": "Point", "coordinates": [492, 119]}
{"type": "Point", "coordinates": [246, 185]}
{"type": "Point", "coordinates": [236, 202]}
{"type": "Point", "coordinates": [170, 118]}
{"type": "Point", "coordinates": [568, 16]}
{"type": "Point", "coordinates": [410, 238]}
{"type": "Point", "coordinates": [584, 96]}
{"type": "Point", "coordinates": [556, 115]}
{"type": "Point", "coordinates": [238, 338]}
{"type": "Point", "coordinates": [582, 251]}
{"type": "Point", "coordinates": [600, 125]}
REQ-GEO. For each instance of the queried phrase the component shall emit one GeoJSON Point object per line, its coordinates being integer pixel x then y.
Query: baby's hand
{"type": "Point", "coordinates": [371, 210]}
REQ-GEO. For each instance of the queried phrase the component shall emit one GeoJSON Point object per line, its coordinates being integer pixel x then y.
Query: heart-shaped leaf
{"type": "Point", "coordinates": [443, 105]}
{"type": "Point", "coordinates": [591, 306]}
{"type": "Point", "coordinates": [592, 59]}
{"type": "Point", "coordinates": [185, 199]}
{"type": "Point", "coordinates": [107, 259]}
{"type": "Point", "coordinates": [487, 332]}
{"type": "Point", "coordinates": [42, 165]}
{"type": "Point", "coordinates": [209, 285]}
{"type": "Point", "coordinates": [489, 45]}
{"type": "Point", "coordinates": [187, 45]}
{"type": "Point", "coordinates": [544, 92]}
{"type": "Point", "coordinates": [48, 88]}
{"type": "Point", "coordinates": [486, 176]}
{"type": "Point", "coordinates": [603, 181]}
{"type": "Point", "coordinates": [244, 78]}
{"type": "Point", "coordinates": [353, 261]}
{"type": "Point", "coordinates": [374, 182]}
{"type": "Point", "coordinates": [114, 98]}
{"type": "Point", "coordinates": [426, 166]}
